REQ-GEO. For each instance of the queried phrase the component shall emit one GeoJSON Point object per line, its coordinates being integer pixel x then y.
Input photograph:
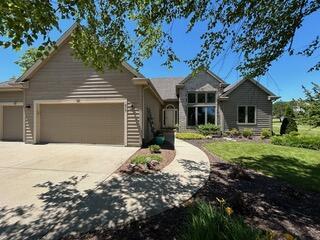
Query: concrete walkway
{"type": "Point", "coordinates": [118, 199]}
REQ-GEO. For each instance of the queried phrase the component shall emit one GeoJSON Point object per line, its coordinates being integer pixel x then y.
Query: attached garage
{"type": "Point", "coordinates": [11, 122]}
{"type": "Point", "coordinates": [85, 122]}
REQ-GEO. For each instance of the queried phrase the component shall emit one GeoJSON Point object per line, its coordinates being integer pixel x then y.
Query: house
{"type": "Point", "coordinates": [59, 99]}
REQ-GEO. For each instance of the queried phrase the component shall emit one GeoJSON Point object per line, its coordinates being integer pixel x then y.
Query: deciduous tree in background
{"type": "Point", "coordinates": [109, 32]}
{"type": "Point", "coordinates": [311, 106]}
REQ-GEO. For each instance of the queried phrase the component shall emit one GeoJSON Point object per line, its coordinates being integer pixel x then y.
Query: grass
{"type": "Point", "coordinates": [206, 222]}
{"type": "Point", "coordinates": [297, 166]}
{"type": "Point", "coordinates": [189, 135]}
{"type": "Point", "coordinates": [303, 129]}
{"type": "Point", "coordinates": [144, 159]}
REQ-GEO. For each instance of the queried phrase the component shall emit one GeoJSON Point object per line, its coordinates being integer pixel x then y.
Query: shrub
{"type": "Point", "coordinates": [266, 133]}
{"type": "Point", "coordinates": [154, 148]}
{"type": "Point", "coordinates": [144, 159]}
{"type": "Point", "coordinates": [288, 125]}
{"type": "Point", "coordinates": [206, 222]}
{"type": "Point", "coordinates": [189, 135]}
{"type": "Point", "coordinates": [233, 132]}
{"type": "Point", "coordinates": [247, 132]}
{"type": "Point", "coordinates": [208, 129]}
{"type": "Point", "coordinates": [293, 140]}
{"type": "Point", "coordinates": [292, 126]}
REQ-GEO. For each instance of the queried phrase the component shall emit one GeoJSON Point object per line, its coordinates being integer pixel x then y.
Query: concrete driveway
{"type": "Point", "coordinates": [29, 171]}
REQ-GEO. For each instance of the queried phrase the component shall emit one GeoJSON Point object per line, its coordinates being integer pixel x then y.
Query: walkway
{"type": "Point", "coordinates": [118, 199]}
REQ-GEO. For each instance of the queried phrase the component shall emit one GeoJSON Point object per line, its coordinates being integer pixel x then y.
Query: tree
{"type": "Point", "coordinates": [311, 105]}
{"type": "Point", "coordinates": [279, 109]}
{"type": "Point", "coordinates": [109, 32]}
{"type": "Point", "coordinates": [289, 113]}
{"type": "Point", "coordinates": [29, 58]}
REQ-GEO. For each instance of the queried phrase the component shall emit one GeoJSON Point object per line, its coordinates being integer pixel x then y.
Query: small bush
{"type": "Point", "coordinates": [288, 125]}
{"type": "Point", "coordinates": [233, 132]}
{"type": "Point", "coordinates": [189, 135]}
{"type": "Point", "coordinates": [266, 133]}
{"type": "Point", "coordinates": [208, 129]}
{"type": "Point", "coordinates": [207, 222]}
{"type": "Point", "coordinates": [293, 140]}
{"type": "Point", "coordinates": [247, 132]}
{"type": "Point", "coordinates": [144, 159]}
{"type": "Point", "coordinates": [154, 148]}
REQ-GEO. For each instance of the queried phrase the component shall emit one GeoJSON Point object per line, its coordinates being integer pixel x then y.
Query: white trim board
{"type": "Point", "coordinates": [37, 109]}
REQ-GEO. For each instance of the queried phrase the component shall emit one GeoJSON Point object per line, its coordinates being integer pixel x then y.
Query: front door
{"type": "Point", "coordinates": [169, 118]}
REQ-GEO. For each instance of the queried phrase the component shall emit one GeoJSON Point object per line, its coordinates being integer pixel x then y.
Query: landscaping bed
{"type": "Point", "coordinates": [272, 205]}
{"type": "Point", "coordinates": [146, 161]}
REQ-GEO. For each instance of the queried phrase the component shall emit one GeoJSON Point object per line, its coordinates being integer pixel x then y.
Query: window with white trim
{"type": "Point", "coordinates": [201, 97]}
{"type": "Point", "coordinates": [247, 114]}
{"type": "Point", "coordinates": [201, 108]}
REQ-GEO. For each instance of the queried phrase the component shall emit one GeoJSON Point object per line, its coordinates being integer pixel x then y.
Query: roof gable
{"type": "Point", "coordinates": [61, 41]}
{"type": "Point", "coordinates": [229, 89]}
{"type": "Point", "coordinates": [216, 77]}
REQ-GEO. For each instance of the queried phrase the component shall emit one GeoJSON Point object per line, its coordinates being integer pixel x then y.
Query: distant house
{"type": "Point", "coordinates": [59, 99]}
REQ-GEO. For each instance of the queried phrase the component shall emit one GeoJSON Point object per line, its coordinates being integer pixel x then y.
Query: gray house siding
{"type": "Point", "coordinates": [11, 96]}
{"type": "Point", "coordinates": [202, 82]}
{"type": "Point", "coordinates": [155, 108]}
{"type": "Point", "coordinates": [63, 77]}
{"type": "Point", "coordinates": [247, 94]}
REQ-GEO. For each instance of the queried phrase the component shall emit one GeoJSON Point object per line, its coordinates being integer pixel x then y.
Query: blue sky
{"type": "Point", "coordinates": [285, 77]}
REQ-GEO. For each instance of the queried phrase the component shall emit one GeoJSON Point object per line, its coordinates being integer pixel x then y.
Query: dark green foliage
{"type": "Point", "coordinates": [247, 132]}
{"type": "Point", "coordinates": [210, 223]}
{"type": "Point", "coordinates": [294, 140]}
{"type": "Point", "coordinates": [110, 32]}
{"type": "Point", "coordinates": [208, 129]}
{"type": "Point", "coordinates": [278, 109]}
{"type": "Point", "coordinates": [288, 125]}
{"type": "Point", "coordinates": [292, 126]}
{"type": "Point", "coordinates": [266, 133]}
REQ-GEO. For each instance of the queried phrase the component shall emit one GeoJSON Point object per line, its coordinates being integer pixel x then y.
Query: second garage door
{"type": "Point", "coordinates": [82, 123]}
{"type": "Point", "coordinates": [12, 123]}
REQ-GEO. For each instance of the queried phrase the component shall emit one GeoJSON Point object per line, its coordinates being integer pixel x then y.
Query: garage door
{"type": "Point", "coordinates": [12, 123]}
{"type": "Point", "coordinates": [82, 123]}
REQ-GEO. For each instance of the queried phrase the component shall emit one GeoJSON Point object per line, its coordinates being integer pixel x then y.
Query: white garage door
{"type": "Point", "coordinates": [82, 123]}
{"type": "Point", "coordinates": [12, 123]}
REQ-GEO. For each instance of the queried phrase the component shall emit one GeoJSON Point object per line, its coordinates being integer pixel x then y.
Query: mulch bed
{"type": "Point", "coordinates": [264, 202]}
{"type": "Point", "coordinates": [167, 153]}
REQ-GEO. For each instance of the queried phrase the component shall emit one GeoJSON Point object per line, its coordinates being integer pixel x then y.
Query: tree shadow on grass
{"type": "Point", "coordinates": [122, 198]}
{"type": "Point", "coordinates": [289, 169]}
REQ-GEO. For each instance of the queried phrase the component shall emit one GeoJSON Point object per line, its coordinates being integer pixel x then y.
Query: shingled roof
{"type": "Point", "coordinates": [166, 86]}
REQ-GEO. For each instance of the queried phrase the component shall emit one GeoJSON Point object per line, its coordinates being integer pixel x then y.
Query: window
{"type": "Point", "coordinates": [198, 115]}
{"type": "Point", "coordinates": [191, 97]}
{"type": "Point", "coordinates": [211, 97]}
{"type": "Point", "coordinates": [191, 116]}
{"type": "Point", "coordinates": [251, 114]}
{"type": "Point", "coordinates": [246, 114]}
{"type": "Point", "coordinates": [201, 115]}
{"type": "Point", "coordinates": [201, 97]}
{"type": "Point", "coordinates": [241, 114]}
{"type": "Point", "coordinates": [211, 115]}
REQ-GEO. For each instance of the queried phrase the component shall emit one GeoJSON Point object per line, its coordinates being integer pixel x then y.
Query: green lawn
{"type": "Point", "coordinates": [303, 129]}
{"type": "Point", "coordinates": [294, 165]}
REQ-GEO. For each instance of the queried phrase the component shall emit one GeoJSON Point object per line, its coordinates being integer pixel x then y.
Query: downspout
{"type": "Point", "coordinates": [143, 91]}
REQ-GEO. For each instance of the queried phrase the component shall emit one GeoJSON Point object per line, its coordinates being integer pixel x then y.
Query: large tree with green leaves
{"type": "Point", "coordinates": [259, 31]}
{"type": "Point", "coordinates": [311, 106]}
